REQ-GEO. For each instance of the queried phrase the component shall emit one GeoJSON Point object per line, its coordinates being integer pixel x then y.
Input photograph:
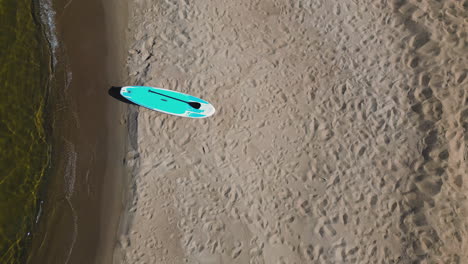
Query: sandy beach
{"type": "Point", "coordinates": [339, 137]}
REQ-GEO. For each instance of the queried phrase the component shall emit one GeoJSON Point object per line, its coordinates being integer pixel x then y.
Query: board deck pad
{"type": "Point", "coordinates": [167, 101]}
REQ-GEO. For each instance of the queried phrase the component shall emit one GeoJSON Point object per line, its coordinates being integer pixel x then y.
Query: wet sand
{"type": "Point", "coordinates": [84, 197]}
{"type": "Point", "coordinates": [340, 135]}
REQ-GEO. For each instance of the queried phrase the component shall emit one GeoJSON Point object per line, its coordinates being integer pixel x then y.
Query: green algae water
{"type": "Point", "coordinates": [24, 152]}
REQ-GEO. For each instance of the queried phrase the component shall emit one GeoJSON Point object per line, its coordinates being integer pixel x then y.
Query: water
{"type": "Point", "coordinates": [25, 70]}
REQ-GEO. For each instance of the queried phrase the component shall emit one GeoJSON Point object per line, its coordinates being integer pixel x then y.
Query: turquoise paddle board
{"type": "Point", "coordinates": [167, 101]}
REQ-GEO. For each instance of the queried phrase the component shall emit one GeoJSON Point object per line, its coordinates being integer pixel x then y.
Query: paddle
{"type": "Point", "coordinates": [192, 104]}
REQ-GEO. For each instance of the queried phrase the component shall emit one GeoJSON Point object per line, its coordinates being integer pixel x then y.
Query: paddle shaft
{"type": "Point", "coordinates": [195, 105]}
{"type": "Point", "coordinates": [168, 96]}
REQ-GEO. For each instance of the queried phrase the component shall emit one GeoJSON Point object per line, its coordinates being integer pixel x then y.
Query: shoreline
{"type": "Point", "coordinates": [116, 13]}
{"type": "Point", "coordinates": [85, 195]}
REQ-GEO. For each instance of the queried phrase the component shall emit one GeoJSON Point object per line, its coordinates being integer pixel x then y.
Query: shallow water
{"type": "Point", "coordinates": [24, 151]}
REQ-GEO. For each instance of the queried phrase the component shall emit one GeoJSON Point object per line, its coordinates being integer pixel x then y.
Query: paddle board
{"type": "Point", "coordinates": [167, 101]}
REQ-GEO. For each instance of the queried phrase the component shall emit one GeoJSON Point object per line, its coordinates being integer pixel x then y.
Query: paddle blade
{"type": "Point", "coordinates": [195, 105]}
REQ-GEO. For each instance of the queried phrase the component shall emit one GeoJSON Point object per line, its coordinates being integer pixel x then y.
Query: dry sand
{"type": "Point", "coordinates": [340, 135]}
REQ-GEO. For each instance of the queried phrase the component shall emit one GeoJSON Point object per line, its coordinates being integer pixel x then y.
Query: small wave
{"type": "Point", "coordinates": [75, 230]}
{"type": "Point", "coordinates": [70, 170]}
{"type": "Point", "coordinates": [70, 178]}
{"type": "Point", "coordinates": [47, 14]}
{"type": "Point", "coordinates": [39, 213]}
{"type": "Point", "coordinates": [69, 78]}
